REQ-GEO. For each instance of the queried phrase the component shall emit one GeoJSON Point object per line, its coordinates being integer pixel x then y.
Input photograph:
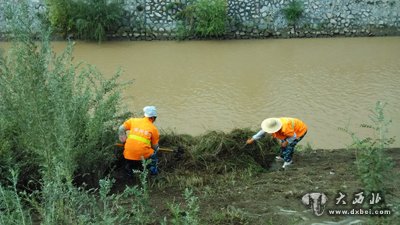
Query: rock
{"type": "Point", "coordinates": [157, 14]}
{"type": "Point", "coordinates": [263, 9]}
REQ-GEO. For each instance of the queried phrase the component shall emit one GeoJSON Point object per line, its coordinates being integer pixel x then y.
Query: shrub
{"type": "Point", "coordinates": [96, 18]}
{"type": "Point", "coordinates": [374, 166]}
{"type": "Point", "coordinates": [88, 19]}
{"type": "Point", "coordinates": [293, 12]}
{"type": "Point", "coordinates": [188, 214]}
{"type": "Point", "coordinates": [55, 114]}
{"type": "Point", "coordinates": [203, 18]}
{"type": "Point", "coordinates": [61, 15]}
{"type": "Point", "coordinates": [210, 18]}
{"type": "Point", "coordinates": [11, 206]}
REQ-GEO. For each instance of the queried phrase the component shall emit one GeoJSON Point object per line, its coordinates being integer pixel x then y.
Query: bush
{"type": "Point", "coordinates": [96, 18]}
{"type": "Point", "coordinates": [62, 203]}
{"type": "Point", "coordinates": [293, 12]}
{"type": "Point", "coordinates": [188, 214]}
{"type": "Point", "coordinates": [61, 15]}
{"type": "Point", "coordinates": [203, 18]}
{"type": "Point", "coordinates": [54, 114]}
{"type": "Point", "coordinates": [374, 166]}
{"type": "Point", "coordinates": [11, 206]}
{"type": "Point", "coordinates": [60, 119]}
{"type": "Point", "coordinates": [88, 19]}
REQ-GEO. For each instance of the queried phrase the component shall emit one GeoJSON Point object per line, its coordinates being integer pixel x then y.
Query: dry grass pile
{"type": "Point", "coordinates": [217, 151]}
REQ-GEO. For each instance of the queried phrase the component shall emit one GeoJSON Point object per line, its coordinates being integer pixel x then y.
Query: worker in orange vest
{"type": "Point", "coordinates": [289, 131]}
{"type": "Point", "coordinates": [141, 142]}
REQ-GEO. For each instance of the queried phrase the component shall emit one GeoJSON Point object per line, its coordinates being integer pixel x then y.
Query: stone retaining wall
{"type": "Point", "coordinates": [153, 19]}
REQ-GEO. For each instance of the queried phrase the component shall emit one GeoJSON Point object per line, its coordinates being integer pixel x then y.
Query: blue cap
{"type": "Point", "coordinates": [150, 111]}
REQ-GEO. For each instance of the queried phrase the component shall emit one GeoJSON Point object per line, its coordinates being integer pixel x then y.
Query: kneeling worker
{"type": "Point", "coordinates": [141, 142]}
{"type": "Point", "coordinates": [288, 130]}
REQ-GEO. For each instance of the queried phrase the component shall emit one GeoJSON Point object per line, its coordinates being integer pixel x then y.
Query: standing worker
{"type": "Point", "coordinates": [288, 130]}
{"type": "Point", "coordinates": [141, 142]}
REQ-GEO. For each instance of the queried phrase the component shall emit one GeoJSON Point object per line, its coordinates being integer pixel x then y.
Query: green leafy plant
{"type": "Point", "coordinates": [96, 18]}
{"type": "Point", "coordinates": [373, 164]}
{"type": "Point", "coordinates": [11, 205]}
{"type": "Point", "coordinates": [188, 214]}
{"type": "Point", "coordinates": [59, 202]}
{"type": "Point", "coordinates": [210, 18]}
{"type": "Point", "coordinates": [293, 12]}
{"type": "Point", "coordinates": [203, 18]}
{"type": "Point", "coordinates": [61, 14]}
{"type": "Point", "coordinates": [88, 19]}
{"type": "Point", "coordinates": [54, 114]}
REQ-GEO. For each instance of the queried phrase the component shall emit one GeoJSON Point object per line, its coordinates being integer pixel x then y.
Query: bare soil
{"type": "Point", "coordinates": [270, 196]}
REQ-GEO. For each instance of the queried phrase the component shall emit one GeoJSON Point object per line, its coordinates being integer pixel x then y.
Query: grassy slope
{"type": "Point", "coordinates": [272, 196]}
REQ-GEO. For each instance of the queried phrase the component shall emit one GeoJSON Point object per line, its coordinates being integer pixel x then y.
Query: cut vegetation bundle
{"type": "Point", "coordinates": [217, 151]}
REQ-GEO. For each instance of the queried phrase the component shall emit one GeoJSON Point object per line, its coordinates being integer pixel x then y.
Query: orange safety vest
{"type": "Point", "coordinates": [289, 127]}
{"type": "Point", "coordinates": [142, 135]}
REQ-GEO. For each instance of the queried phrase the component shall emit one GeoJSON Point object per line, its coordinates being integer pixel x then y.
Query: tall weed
{"type": "Point", "coordinates": [202, 18]}
{"type": "Point", "coordinates": [57, 116]}
{"type": "Point", "coordinates": [96, 18]}
{"type": "Point", "coordinates": [60, 14]}
{"type": "Point", "coordinates": [373, 164]}
{"type": "Point", "coordinates": [60, 202]}
{"type": "Point", "coordinates": [293, 12]}
{"type": "Point", "coordinates": [11, 206]}
{"type": "Point", "coordinates": [88, 19]}
{"type": "Point", "coordinates": [187, 215]}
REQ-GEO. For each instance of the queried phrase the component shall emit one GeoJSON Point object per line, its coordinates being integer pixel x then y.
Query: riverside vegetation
{"type": "Point", "coordinates": [212, 19]}
{"type": "Point", "coordinates": [59, 164]}
{"type": "Point", "coordinates": [94, 19]}
{"type": "Point", "coordinates": [88, 20]}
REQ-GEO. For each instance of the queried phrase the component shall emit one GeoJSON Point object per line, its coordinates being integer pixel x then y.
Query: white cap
{"type": "Point", "coordinates": [150, 111]}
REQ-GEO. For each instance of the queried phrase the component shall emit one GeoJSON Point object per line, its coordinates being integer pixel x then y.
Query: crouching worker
{"type": "Point", "coordinates": [289, 131]}
{"type": "Point", "coordinates": [141, 141]}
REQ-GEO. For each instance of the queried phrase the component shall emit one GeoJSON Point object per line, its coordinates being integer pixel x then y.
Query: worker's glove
{"type": "Point", "coordinates": [122, 138]}
{"type": "Point", "coordinates": [250, 141]}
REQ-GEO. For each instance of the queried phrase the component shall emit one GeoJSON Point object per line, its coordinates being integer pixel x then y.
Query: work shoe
{"type": "Point", "coordinates": [286, 164]}
{"type": "Point", "coordinates": [279, 158]}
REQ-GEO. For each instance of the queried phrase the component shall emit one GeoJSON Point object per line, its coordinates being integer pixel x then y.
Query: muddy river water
{"type": "Point", "coordinates": [221, 85]}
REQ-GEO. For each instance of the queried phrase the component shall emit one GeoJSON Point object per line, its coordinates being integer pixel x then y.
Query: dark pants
{"type": "Point", "coordinates": [131, 165]}
{"type": "Point", "coordinates": [287, 152]}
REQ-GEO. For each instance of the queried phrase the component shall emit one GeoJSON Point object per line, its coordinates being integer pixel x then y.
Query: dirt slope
{"type": "Point", "coordinates": [272, 196]}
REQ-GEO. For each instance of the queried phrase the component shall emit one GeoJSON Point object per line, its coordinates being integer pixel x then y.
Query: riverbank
{"type": "Point", "coordinates": [169, 20]}
{"type": "Point", "coordinates": [270, 196]}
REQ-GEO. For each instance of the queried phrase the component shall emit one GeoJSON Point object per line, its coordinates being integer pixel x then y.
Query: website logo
{"type": "Point", "coordinates": [316, 201]}
{"type": "Point", "coordinates": [361, 203]}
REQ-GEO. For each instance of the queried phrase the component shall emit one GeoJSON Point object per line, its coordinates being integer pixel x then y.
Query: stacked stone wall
{"type": "Point", "coordinates": [156, 19]}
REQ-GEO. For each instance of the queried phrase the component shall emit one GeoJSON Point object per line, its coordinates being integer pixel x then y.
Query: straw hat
{"type": "Point", "coordinates": [271, 125]}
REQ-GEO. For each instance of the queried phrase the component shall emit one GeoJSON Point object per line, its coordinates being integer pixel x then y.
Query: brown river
{"type": "Point", "coordinates": [199, 86]}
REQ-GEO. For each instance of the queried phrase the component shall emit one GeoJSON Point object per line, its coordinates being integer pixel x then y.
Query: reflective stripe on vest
{"type": "Point", "coordinates": [141, 139]}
